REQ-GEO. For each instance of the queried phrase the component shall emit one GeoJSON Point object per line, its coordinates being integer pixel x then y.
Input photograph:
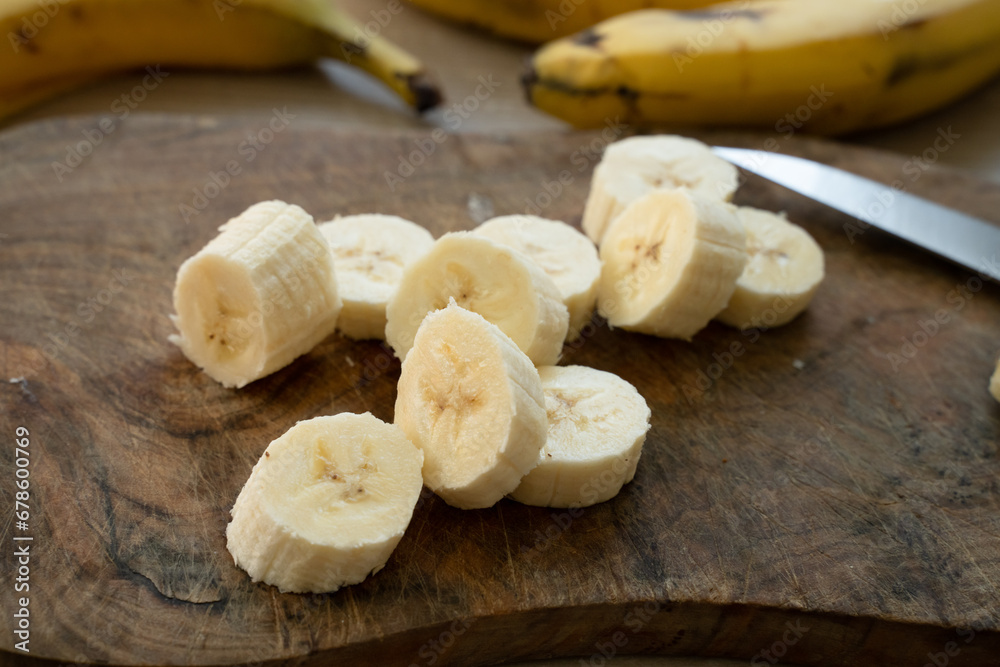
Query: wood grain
{"type": "Point", "coordinates": [810, 485]}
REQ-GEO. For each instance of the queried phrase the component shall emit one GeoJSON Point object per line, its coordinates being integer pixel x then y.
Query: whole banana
{"type": "Point", "coordinates": [828, 67]}
{"type": "Point", "coordinates": [55, 45]}
{"type": "Point", "coordinates": [539, 21]}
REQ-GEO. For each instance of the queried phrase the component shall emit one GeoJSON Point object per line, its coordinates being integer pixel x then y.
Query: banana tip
{"type": "Point", "coordinates": [426, 95]}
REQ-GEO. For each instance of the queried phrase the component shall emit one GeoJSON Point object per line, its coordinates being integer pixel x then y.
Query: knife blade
{"type": "Point", "coordinates": [968, 241]}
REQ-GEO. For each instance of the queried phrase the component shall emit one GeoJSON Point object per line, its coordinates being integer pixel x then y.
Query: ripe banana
{"type": "Point", "coordinates": [491, 279]}
{"type": "Point", "coordinates": [566, 256]}
{"type": "Point", "coordinates": [55, 46]}
{"type": "Point", "coordinates": [782, 275]}
{"type": "Point", "coordinates": [827, 67]}
{"type": "Point", "coordinates": [326, 504]}
{"type": "Point", "coordinates": [995, 383]}
{"type": "Point", "coordinates": [632, 167]}
{"type": "Point", "coordinates": [542, 20]}
{"type": "Point", "coordinates": [671, 262]}
{"type": "Point", "coordinates": [370, 253]}
{"type": "Point", "coordinates": [473, 402]}
{"type": "Point", "coordinates": [257, 296]}
{"type": "Point", "coordinates": [597, 426]}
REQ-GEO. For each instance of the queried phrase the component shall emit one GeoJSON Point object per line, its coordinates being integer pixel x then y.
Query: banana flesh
{"type": "Point", "coordinates": [597, 426]}
{"type": "Point", "coordinates": [670, 263]}
{"type": "Point", "coordinates": [473, 403]}
{"type": "Point", "coordinates": [326, 504]}
{"type": "Point", "coordinates": [995, 383]}
{"type": "Point", "coordinates": [562, 252]}
{"type": "Point", "coordinates": [491, 279]}
{"type": "Point", "coordinates": [633, 167]}
{"type": "Point", "coordinates": [80, 40]}
{"type": "Point", "coordinates": [370, 253]}
{"type": "Point", "coordinates": [783, 273]}
{"type": "Point", "coordinates": [260, 294]}
{"type": "Point", "coordinates": [778, 65]}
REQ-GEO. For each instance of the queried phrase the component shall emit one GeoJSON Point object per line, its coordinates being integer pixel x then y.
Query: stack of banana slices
{"type": "Point", "coordinates": [479, 319]}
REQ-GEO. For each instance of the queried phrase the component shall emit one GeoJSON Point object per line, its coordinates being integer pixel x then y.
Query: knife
{"type": "Point", "coordinates": [968, 241]}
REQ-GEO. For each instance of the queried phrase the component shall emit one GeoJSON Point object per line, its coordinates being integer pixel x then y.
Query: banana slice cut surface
{"type": "Point", "coordinates": [326, 503]}
{"type": "Point", "coordinates": [473, 402]}
{"type": "Point", "coordinates": [566, 256]}
{"type": "Point", "coordinates": [369, 255]}
{"type": "Point", "coordinates": [632, 167]}
{"type": "Point", "coordinates": [597, 426]}
{"type": "Point", "coordinates": [783, 273]}
{"type": "Point", "coordinates": [670, 263]}
{"type": "Point", "coordinates": [260, 294]}
{"type": "Point", "coordinates": [489, 278]}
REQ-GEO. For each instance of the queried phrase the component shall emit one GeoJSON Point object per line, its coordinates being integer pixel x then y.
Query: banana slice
{"type": "Point", "coordinates": [671, 261]}
{"type": "Point", "coordinates": [326, 504]}
{"type": "Point", "coordinates": [781, 277]}
{"type": "Point", "coordinates": [995, 383]}
{"type": "Point", "coordinates": [566, 256]}
{"type": "Point", "coordinates": [597, 426]}
{"type": "Point", "coordinates": [472, 401]}
{"type": "Point", "coordinates": [486, 277]}
{"type": "Point", "coordinates": [632, 167]}
{"type": "Point", "coordinates": [369, 255]}
{"type": "Point", "coordinates": [257, 296]}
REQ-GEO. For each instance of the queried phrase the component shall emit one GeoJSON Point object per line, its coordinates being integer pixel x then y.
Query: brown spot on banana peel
{"type": "Point", "coordinates": [588, 37]}
{"type": "Point", "coordinates": [915, 65]}
{"type": "Point", "coordinates": [726, 14]}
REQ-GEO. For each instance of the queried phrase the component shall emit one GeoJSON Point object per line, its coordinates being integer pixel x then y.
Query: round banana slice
{"type": "Point", "coordinates": [566, 256]}
{"type": "Point", "coordinates": [779, 281]}
{"type": "Point", "coordinates": [369, 255]}
{"type": "Point", "coordinates": [472, 401]}
{"type": "Point", "coordinates": [671, 261]}
{"type": "Point", "coordinates": [632, 167]}
{"type": "Point", "coordinates": [597, 426]}
{"type": "Point", "coordinates": [326, 504]}
{"type": "Point", "coordinates": [257, 296]}
{"type": "Point", "coordinates": [995, 382]}
{"type": "Point", "coordinates": [486, 277]}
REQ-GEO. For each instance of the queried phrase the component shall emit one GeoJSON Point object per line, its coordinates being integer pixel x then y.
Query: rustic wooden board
{"type": "Point", "coordinates": [813, 501]}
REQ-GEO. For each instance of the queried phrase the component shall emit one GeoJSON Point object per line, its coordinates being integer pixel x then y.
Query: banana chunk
{"type": "Point", "coordinates": [995, 383]}
{"type": "Point", "coordinates": [473, 402]}
{"type": "Point", "coordinates": [486, 277]}
{"type": "Point", "coordinates": [260, 294]}
{"type": "Point", "coordinates": [369, 255]}
{"type": "Point", "coordinates": [597, 426]}
{"type": "Point", "coordinates": [326, 504]}
{"type": "Point", "coordinates": [782, 275]}
{"type": "Point", "coordinates": [566, 256]}
{"type": "Point", "coordinates": [635, 166]}
{"type": "Point", "coordinates": [671, 262]}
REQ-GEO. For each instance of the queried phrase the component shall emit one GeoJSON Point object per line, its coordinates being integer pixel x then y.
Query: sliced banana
{"type": "Point", "coordinates": [781, 277]}
{"type": "Point", "coordinates": [671, 262]}
{"type": "Point", "coordinates": [472, 401]}
{"type": "Point", "coordinates": [489, 278]}
{"type": "Point", "coordinates": [257, 296]}
{"type": "Point", "coordinates": [633, 167]}
{"type": "Point", "coordinates": [369, 255]}
{"type": "Point", "coordinates": [326, 504]}
{"type": "Point", "coordinates": [597, 426]}
{"type": "Point", "coordinates": [995, 383]}
{"type": "Point", "coordinates": [566, 256]}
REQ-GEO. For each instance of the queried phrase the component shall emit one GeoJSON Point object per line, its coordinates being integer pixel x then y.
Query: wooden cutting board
{"type": "Point", "coordinates": [825, 491]}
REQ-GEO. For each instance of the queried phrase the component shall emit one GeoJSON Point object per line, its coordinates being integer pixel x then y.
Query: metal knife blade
{"type": "Point", "coordinates": [966, 240]}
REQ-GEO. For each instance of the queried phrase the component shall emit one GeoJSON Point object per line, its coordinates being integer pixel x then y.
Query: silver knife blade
{"type": "Point", "coordinates": [966, 240]}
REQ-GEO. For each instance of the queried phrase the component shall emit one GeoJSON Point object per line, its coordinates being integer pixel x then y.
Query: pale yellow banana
{"type": "Point", "coordinates": [597, 426]}
{"type": "Point", "coordinates": [370, 253]}
{"type": "Point", "coordinates": [58, 45]}
{"type": "Point", "coordinates": [995, 383]}
{"type": "Point", "coordinates": [783, 273]}
{"type": "Point", "coordinates": [562, 252]}
{"type": "Point", "coordinates": [823, 67]}
{"type": "Point", "coordinates": [260, 294]}
{"type": "Point", "coordinates": [473, 402]}
{"type": "Point", "coordinates": [671, 262]}
{"type": "Point", "coordinates": [326, 504]}
{"type": "Point", "coordinates": [632, 167]}
{"type": "Point", "coordinates": [494, 280]}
